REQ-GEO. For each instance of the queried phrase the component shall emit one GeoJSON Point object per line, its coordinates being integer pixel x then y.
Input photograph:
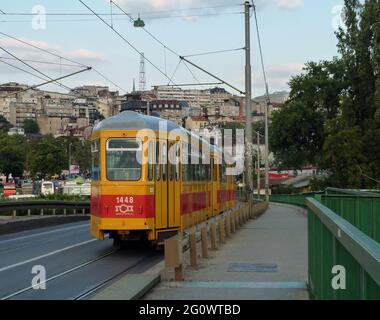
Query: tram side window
{"type": "Point", "coordinates": [95, 156]}
{"type": "Point", "coordinates": [164, 162]}
{"type": "Point", "coordinates": [124, 159]}
{"type": "Point", "coordinates": [158, 162]}
{"type": "Point", "coordinates": [223, 179]}
{"type": "Point", "coordinates": [150, 160]}
{"type": "Point", "coordinates": [215, 171]}
{"type": "Point", "coordinates": [177, 166]}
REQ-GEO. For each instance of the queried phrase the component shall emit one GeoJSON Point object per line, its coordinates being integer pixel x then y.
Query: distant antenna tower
{"type": "Point", "coordinates": [142, 81]}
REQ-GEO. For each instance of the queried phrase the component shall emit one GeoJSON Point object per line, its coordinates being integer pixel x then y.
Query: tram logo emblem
{"type": "Point", "coordinates": [124, 209]}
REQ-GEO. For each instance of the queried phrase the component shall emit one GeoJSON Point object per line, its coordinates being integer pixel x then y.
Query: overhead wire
{"type": "Point", "coordinates": [43, 62]}
{"type": "Point", "coordinates": [125, 40]}
{"type": "Point", "coordinates": [62, 58]}
{"type": "Point", "coordinates": [213, 52]}
{"type": "Point", "coordinates": [32, 74]}
{"type": "Point", "coordinates": [35, 69]}
{"type": "Point", "coordinates": [115, 14]}
{"type": "Point", "coordinates": [261, 55]}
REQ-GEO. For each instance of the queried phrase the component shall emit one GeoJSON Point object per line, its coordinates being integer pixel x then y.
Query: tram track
{"type": "Point", "coordinates": [61, 274]}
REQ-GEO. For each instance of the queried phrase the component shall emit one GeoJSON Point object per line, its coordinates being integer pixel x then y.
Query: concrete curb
{"type": "Point", "coordinates": [130, 287]}
{"type": "Point", "coordinates": [15, 225]}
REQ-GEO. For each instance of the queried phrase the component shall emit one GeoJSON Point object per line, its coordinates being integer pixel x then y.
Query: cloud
{"type": "Point", "coordinates": [33, 55]}
{"type": "Point", "coordinates": [85, 55]}
{"type": "Point", "coordinates": [289, 4]}
{"type": "Point", "coordinates": [278, 76]}
{"type": "Point", "coordinates": [190, 8]}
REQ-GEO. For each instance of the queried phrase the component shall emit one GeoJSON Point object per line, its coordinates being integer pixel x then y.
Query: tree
{"type": "Point", "coordinates": [296, 135]}
{"type": "Point", "coordinates": [31, 126]}
{"type": "Point", "coordinates": [4, 124]}
{"type": "Point", "coordinates": [12, 155]}
{"type": "Point", "coordinates": [333, 116]}
{"type": "Point", "coordinates": [46, 158]}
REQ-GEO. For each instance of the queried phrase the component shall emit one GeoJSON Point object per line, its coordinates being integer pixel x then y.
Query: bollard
{"type": "Point", "coordinates": [221, 225]}
{"type": "Point", "coordinates": [83, 212]}
{"type": "Point", "coordinates": [214, 244]}
{"type": "Point", "coordinates": [173, 257]}
{"type": "Point", "coordinates": [74, 211]}
{"type": "Point", "coordinates": [53, 212]}
{"type": "Point", "coordinates": [228, 225]}
{"type": "Point", "coordinates": [237, 219]}
{"type": "Point", "coordinates": [193, 250]}
{"type": "Point", "coordinates": [14, 213]}
{"type": "Point", "coordinates": [42, 212]}
{"type": "Point", "coordinates": [29, 212]}
{"type": "Point", "coordinates": [204, 241]}
{"type": "Point", "coordinates": [64, 211]}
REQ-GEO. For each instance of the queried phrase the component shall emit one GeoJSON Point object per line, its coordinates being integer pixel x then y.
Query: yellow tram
{"type": "Point", "coordinates": [152, 178]}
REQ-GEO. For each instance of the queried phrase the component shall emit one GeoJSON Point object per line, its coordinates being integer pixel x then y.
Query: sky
{"type": "Point", "coordinates": [292, 33]}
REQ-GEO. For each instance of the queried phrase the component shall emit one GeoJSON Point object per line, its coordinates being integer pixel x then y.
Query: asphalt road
{"type": "Point", "coordinates": [75, 263]}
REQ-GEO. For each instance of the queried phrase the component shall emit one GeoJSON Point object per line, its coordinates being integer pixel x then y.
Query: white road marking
{"type": "Point", "coordinates": [43, 233]}
{"type": "Point", "coordinates": [46, 255]}
{"type": "Point", "coordinates": [59, 275]}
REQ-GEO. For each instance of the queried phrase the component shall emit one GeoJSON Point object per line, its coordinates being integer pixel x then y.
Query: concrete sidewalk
{"type": "Point", "coordinates": [265, 259]}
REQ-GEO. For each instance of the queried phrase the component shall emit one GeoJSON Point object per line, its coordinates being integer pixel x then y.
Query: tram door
{"type": "Point", "coordinates": [214, 170]}
{"type": "Point", "coordinates": [161, 185]}
{"type": "Point", "coordinates": [174, 188]}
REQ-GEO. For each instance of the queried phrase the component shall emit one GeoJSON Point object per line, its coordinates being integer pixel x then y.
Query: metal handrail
{"type": "Point", "coordinates": [351, 192]}
{"type": "Point", "coordinates": [8, 206]}
{"type": "Point", "coordinates": [364, 249]}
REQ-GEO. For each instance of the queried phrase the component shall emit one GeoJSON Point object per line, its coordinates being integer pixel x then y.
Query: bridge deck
{"type": "Point", "coordinates": [275, 242]}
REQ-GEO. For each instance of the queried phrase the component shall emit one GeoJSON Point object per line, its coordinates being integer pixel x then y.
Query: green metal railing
{"type": "Point", "coordinates": [298, 199]}
{"type": "Point", "coordinates": [333, 241]}
{"type": "Point", "coordinates": [361, 211]}
{"type": "Point", "coordinates": [343, 229]}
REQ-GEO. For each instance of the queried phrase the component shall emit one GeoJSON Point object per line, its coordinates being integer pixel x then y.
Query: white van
{"type": "Point", "coordinates": [47, 187]}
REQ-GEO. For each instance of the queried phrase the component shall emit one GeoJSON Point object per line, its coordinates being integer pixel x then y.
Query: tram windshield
{"type": "Point", "coordinates": [124, 159]}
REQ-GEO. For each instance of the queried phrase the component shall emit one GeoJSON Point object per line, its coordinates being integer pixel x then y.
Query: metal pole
{"type": "Point", "coordinates": [69, 158]}
{"type": "Point", "coordinates": [266, 154]}
{"type": "Point", "coordinates": [258, 165]}
{"type": "Point", "coordinates": [248, 108]}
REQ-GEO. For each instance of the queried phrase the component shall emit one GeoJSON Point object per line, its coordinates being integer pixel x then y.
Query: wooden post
{"type": "Point", "coordinates": [221, 225]}
{"type": "Point", "coordinates": [204, 240]}
{"type": "Point", "coordinates": [173, 257]}
{"type": "Point", "coordinates": [228, 225]}
{"type": "Point", "coordinates": [233, 222]}
{"type": "Point", "coordinates": [193, 250]}
{"type": "Point", "coordinates": [214, 244]}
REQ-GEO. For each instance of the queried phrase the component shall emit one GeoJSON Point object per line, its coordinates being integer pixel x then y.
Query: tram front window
{"type": "Point", "coordinates": [124, 159]}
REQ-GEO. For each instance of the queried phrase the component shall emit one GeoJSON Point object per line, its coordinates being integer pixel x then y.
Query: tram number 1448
{"type": "Point", "coordinates": [124, 200]}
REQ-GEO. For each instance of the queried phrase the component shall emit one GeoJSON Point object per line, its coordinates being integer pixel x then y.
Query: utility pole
{"type": "Point", "coordinates": [258, 165]}
{"type": "Point", "coordinates": [248, 108]}
{"type": "Point", "coordinates": [267, 151]}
